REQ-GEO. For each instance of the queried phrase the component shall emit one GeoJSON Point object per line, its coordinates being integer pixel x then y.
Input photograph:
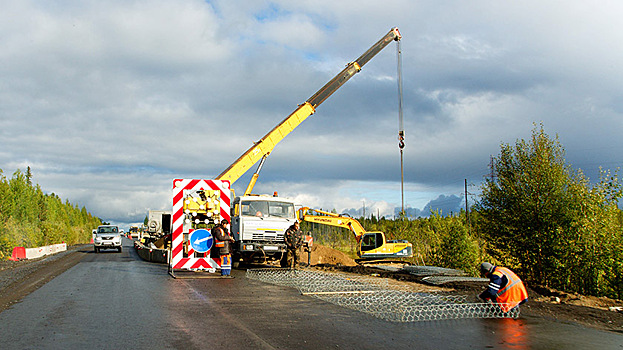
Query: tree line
{"type": "Point", "coordinates": [536, 215]}
{"type": "Point", "coordinates": [31, 218]}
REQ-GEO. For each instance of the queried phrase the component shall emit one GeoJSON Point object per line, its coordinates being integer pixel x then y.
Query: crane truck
{"type": "Point", "coordinates": [258, 222]}
{"type": "Point", "coordinates": [370, 245]}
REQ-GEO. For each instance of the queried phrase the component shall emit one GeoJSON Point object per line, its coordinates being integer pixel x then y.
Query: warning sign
{"type": "Point", "coordinates": [197, 206]}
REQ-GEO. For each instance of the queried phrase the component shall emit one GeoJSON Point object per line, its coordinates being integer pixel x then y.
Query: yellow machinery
{"type": "Point", "coordinates": [260, 237]}
{"type": "Point", "coordinates": [262, 148]}
{"type": "Point", "coordinates": [134, 232]}
{"type": "Point", "coordinates": [370, 245]}
{"type": "Point", "coordinates": [203, 207]}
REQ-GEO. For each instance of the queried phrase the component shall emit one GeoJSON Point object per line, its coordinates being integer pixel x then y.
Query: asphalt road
{"type": "Point", "coordinates": [115, 300]}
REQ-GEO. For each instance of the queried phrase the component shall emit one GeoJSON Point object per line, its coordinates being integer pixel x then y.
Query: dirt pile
{"type": "Point", "coordinates": [322, 255]}
{"type": "Point", "coordinates": [554, 296]}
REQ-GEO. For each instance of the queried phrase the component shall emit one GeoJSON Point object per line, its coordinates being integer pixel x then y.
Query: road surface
{"type": "Point", "coordinates": [115, 300]}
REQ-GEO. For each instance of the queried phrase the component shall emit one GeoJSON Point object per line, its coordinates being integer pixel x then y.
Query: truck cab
{"type": "Point", "coordinates": [258, 223]}
{"type": "Point", "coordinates": [134, 232]}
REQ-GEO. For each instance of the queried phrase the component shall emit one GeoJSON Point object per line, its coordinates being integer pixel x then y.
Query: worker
{"type": "Point", "coordinates": [505, 288]}
{"type": "Point", "coordinates": [223, 239]}
{"type": "Point", "coordinates": [294, 241]}
{"type": "Point", "coordinates": [259, 214]}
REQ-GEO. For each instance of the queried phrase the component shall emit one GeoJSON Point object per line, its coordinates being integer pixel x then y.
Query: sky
{"type": "Point", "coordinates": [109, 101]}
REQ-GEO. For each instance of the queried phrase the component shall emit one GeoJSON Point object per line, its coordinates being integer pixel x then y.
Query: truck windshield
{"type": "Point", "coordinates": [266, 209]}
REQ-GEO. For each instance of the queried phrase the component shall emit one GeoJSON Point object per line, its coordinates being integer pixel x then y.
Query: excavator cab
{"type": "Point", "coordinates": [373, 245]}
{"type": "Point", "coordinates": [371, 240]}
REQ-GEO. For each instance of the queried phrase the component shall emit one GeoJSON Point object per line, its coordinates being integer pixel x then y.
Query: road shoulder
{"type": "Point", "coordinates": [20, 278]}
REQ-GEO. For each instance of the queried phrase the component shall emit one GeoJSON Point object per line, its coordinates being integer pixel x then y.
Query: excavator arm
{"type": "Point", "coordinates": [370, 245]}
{"type": "Point", "coordinates": [263, 147]}
{"type": "Point", "coordinates": [333, 219]}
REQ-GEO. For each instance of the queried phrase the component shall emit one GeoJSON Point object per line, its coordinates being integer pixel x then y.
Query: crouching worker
{"type": "Point", "coordinates": [221, 234]}
{"type": "Point", "coordinates": [505, 288]}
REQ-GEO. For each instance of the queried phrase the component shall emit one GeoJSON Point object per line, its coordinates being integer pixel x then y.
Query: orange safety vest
{"type": "Point", "coordinates": [217, 243]}
{"type": "Point", "coordinates": [513, 293]}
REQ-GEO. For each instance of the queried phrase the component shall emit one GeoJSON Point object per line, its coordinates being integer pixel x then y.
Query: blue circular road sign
{"type": "Point", "coordinates": [201, 240]}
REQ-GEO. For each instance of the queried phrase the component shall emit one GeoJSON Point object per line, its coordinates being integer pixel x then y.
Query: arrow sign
{"type": "Point", "coordinates": [201, 240]}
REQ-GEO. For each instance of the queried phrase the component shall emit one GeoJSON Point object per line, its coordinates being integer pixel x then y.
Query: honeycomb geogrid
{"type": "Point", "coordinates": [377, 297]}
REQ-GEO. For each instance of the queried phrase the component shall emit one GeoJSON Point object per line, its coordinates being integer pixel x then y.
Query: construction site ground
{"type": "Point", "coordinates": [19, 278]}
{"type": "Point", "coordinates": [543, 302]}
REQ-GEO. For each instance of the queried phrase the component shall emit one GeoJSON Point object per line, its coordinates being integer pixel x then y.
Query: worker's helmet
{"type": "Point", "coordinates": [486, 268]}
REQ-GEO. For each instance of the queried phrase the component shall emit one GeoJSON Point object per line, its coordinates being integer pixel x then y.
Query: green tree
{"type": "Point", "coordinates": [6, 202]}
{"type": "Point", "coordinates": [543, 218]}
{"type": "Point", "coordinates": [30, 218]}
{"type": "Point", "coordinates": [458, 249]}
{"type": "Point", "coordinates": [595, 254]}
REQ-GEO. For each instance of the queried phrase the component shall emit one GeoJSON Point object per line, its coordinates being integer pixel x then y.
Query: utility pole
{"type": "Point", "coordinates": [469, 226]}
{"type": "Point", "coordinates": [364, 209]}
{"type": "Point", "coordinates": [467, 208]}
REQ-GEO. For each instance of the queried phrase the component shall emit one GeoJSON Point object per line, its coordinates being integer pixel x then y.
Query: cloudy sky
{"type": "Point", "coordinates": [109, 101]}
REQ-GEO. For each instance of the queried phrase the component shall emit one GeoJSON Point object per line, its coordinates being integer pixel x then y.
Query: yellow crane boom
{"type": "Point", "coordinates": [262, 148]}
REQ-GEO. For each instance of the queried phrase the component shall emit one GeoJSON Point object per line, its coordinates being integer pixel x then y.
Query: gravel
{"type": "Point", "coordinates": [13, 271]}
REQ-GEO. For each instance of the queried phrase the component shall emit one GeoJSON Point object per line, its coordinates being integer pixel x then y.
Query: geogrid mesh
{"type": "Point", "coordinates": [317, 282]}
{"type": "Point", "coordinates": [432, 270]}
{"type": "Point", "coordinates": [439, 280]}
{"type": "Point", "coordinates": [376, 297]}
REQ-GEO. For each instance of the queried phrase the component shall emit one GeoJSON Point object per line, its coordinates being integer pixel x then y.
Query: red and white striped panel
{"type": "Point", "coordinates": [177, 246]}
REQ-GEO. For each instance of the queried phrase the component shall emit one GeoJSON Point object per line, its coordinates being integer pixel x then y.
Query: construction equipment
{"type": "Point", "coordinates": [262, 148]}
{"type": "Point", "coordinates": [370, 245]}
{"type": "Point", "coordinates": [134, 232]}
{"type": "Point", "coordinates": [258, 223]}
{"type": "Point", "coordinates": [158, 225]}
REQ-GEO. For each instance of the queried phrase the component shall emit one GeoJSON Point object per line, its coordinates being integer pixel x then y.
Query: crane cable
{"type": "Point", "coordinates": [401, 130]}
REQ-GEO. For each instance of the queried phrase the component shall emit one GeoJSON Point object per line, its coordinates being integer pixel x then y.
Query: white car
{"type": "Point", "coordinates": [107, 236]}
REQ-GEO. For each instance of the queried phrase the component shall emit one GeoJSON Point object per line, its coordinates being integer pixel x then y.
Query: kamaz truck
{"type": "Point", "coordinates": [258, 223]}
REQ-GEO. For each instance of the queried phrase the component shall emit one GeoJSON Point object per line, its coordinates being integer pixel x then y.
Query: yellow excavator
{"type": "Point", "coordinates": [370, 245]}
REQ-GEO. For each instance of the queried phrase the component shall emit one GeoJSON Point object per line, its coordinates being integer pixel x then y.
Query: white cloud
{"type": "Point", "coordinates": [109, 101]}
